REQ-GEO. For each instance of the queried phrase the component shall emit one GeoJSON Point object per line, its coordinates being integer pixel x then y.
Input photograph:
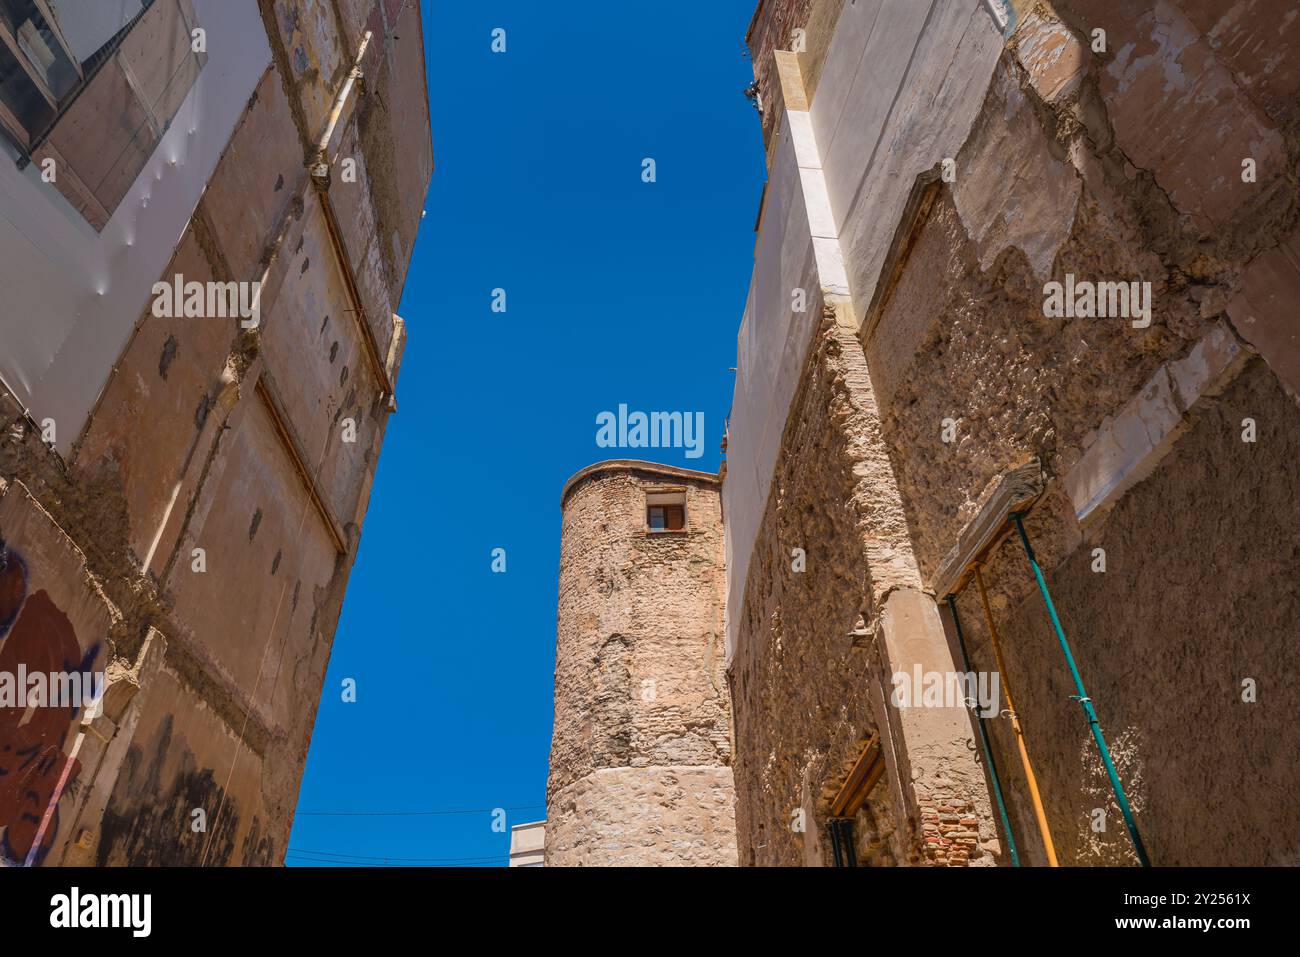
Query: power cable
{"type": "Point", "coordinates": [470, 810]}
{"type": "Point", "coordinates": [389, 857]}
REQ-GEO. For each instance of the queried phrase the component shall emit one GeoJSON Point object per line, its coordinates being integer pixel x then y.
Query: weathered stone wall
{"type": "Point", "coordinates": [1044, 189]}
{"type": "Point", "coordinates": [1117, 164]}
{"type": "Point", "coordinates": [804, 697]}
{"type": "Point", "coordinates": [1098, 165]}
{"type": "Point", "coordinates": [640, 754]}
{"type": "Point", "coordinates": [784, 25]}
{"type": "Point", "coordinates": [772, 28]}
{"type": "Point", "coordinates": [216, 491]}
{"type": "Point", "coordinates": [1198, 595]}
{"type": "Point", "coordinates": [653, 816]}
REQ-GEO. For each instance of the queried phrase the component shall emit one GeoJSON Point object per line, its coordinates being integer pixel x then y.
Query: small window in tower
{"type": "Point", "coordinates": [666, 511]}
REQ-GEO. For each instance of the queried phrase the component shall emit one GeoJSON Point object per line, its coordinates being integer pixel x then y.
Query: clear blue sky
{"type": "Point", "coordinates": [618, 291]}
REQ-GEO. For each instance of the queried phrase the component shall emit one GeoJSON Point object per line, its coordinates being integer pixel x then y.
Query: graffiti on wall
{"type": "Point", "coordinates": [37, 636]}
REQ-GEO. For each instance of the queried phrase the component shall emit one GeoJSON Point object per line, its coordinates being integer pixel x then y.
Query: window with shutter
{"type": "Point", "coordinates": [666, 511]}
{"type": "Point", "coordinates": [99, 119]}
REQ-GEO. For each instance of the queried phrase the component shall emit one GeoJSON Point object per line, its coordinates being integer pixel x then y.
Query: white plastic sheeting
{"type": "Point", "coordinates": [772, 344]}
{"type": "Point", "coordinates": [902, 84]}
{"type": "Point", "coordinates": [69, 297]}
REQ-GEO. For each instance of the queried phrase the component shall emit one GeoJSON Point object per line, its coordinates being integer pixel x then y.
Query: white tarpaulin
{"type": "Point", "coordinates": [771, 347]}
{"type": "Point", "coordinates": [902, 83]}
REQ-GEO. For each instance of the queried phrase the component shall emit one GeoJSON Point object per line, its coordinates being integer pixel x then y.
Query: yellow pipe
{"type": "Point", "coordinates": [1034, 796]}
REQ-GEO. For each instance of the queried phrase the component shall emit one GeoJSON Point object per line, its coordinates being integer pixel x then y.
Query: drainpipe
{"type": "Point", "coordinates": [1088, 710]}
{"type": "Point", "coordinates": [834, 825]}
{"type": "Point", "coordinates": [336, 111]}
{"type": "Point", "coordinates": [1034, 796]}
{"type": "Point", "coordinates": [988, 747]}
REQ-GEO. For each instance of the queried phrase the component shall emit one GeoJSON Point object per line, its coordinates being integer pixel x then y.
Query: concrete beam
{"type": "Point", "coordinates": [1130, 444]}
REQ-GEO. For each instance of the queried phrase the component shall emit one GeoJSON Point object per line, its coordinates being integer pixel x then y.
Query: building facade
{"type": "Point", "coordinates": [528, 844]}
{"type": "Point", "coordinates": [208, 210]}
{"type": "Point", "coordinates": [1009, 503]}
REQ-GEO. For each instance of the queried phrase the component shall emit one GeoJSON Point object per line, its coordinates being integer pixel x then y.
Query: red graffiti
{"type": "Point", "coordinates": [32, 760]}
{"type": "Point", "coordinates": [13, 586]}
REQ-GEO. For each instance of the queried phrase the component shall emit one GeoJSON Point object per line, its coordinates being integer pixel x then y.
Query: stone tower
{"type": "Point", "coordinates": [640, 757]}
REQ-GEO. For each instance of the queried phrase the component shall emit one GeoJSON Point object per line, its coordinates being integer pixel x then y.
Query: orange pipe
{"type": "Point", "coordinates": [1034, 796]}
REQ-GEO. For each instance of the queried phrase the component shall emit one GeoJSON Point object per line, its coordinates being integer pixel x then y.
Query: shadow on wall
{"type": "Point", "coordinates": [159, 831]}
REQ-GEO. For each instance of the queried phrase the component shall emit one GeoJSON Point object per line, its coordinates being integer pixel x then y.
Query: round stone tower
{"type": "Point", "coordinates": [640, 756]}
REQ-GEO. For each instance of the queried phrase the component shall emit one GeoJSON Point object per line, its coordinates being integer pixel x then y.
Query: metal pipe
{"type": "Point", "coordinates": [988, 747]}
{"type": "Point", "coordinates": [1039, 813]}
{"type": "Point", "coordinates": [341, 98]}
{"type": "Point", "coordinates": [1089, 711]}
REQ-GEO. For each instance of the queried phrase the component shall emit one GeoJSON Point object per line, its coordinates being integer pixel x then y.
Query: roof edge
{"type": "Point", "coordinates": [635, 465]}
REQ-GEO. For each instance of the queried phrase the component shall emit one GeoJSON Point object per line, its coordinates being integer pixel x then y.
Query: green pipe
{"type": "Point", "coordinates": [988, 747]}
{"type": "Point", "coordinates": [1089, 711]}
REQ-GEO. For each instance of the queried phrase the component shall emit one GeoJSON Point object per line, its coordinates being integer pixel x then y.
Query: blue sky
{"type": "Point", "coordinates": [617, 291]}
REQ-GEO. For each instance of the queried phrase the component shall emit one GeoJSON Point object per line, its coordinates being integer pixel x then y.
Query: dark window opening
{"type": "Point", "coordinates": [666, 518]}
{"type": "Point", "coordinates": [27, 108]}
{"type": "Point", "coordinates": [843, 842]}
{"type": "Point", "coordinates": [27, 29]}
{"type": "Point", "coordinates": [37, 73]}
{"type": "Point", "coordinates": [98, 120]}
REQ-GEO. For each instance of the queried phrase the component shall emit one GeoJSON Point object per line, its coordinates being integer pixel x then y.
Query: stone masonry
{"type": "Point", "coordinates": [640, 758]}
{"type": "Point", "coordinates": [954, 160]}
